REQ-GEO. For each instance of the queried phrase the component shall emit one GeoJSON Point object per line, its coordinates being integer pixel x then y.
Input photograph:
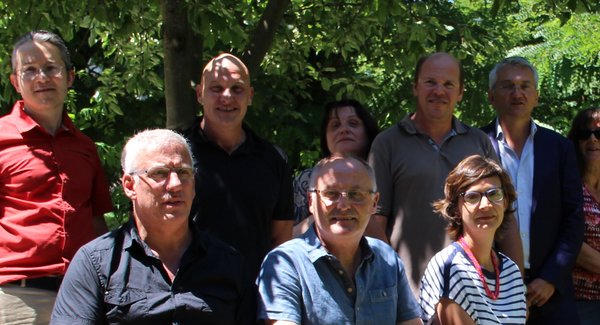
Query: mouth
{"type": "Point", "coordinates": [173, 203]}
{"type": "Point", "coordinates": [343, 218]}
{"type": "Point", "coordinates": [438, 101]}
{"type": "Point", "coordinates": [226, 109]}
{"type": "Point", "coordinates": [486, 218]}
{"type": "Point", "coordinates": [44, 90]}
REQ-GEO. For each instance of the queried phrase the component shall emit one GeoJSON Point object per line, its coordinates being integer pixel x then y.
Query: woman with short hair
{"type": "Point", "coordinates": [469, 282]}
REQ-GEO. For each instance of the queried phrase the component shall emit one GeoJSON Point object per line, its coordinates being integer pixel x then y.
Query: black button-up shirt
{"type": "Point", "coordinates": [239, 195]}
{"type": "Point", "coordinates": [116, 279]}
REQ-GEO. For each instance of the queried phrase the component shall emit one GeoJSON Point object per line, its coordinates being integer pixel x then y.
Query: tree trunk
{"type": "Point", "coordinates": [182, 64]}
{"type": "Point", "coordinates": [262, 37]}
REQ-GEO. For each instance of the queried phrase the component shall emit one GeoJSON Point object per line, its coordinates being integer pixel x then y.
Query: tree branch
{"type": "Point", "coordinates": [262, 37]}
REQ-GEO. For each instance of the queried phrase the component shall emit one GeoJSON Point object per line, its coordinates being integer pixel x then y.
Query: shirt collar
{"type": "Point", "coordinates": [249, 145]}
{"type": "Point", "coordinates": [409, 125]}
{"type": "Point", "coordinates": [24, 123]}
{"type": "Point", "coordinates": [316, 250]}
{"type": "Point", "coordinates": [133, 239]}
{"type": "Point", "coordinates": [500, 133]}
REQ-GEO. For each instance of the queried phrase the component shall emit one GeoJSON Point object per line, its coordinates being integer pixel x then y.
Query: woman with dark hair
{"type": "Point", "coordinates": [469, 282]}
{"type": "Point", "coordinates": [346, 128]}
{"type": "Point", "coordinates": [585, 135]}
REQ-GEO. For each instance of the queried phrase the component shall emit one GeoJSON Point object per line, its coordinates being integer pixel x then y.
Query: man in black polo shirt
{"type": "Point", "coordinates": [159, 268]}
{"type": "Point", "coordinates": [244, 184]}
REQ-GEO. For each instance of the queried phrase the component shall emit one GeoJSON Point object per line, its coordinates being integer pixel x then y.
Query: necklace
{"type": "Point", "coordinates": [496, 292]}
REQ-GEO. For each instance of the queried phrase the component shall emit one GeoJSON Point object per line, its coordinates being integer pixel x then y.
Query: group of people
{"type": "Point", "coordinates": [429, 221]}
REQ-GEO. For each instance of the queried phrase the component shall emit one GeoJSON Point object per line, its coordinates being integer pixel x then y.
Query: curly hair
{"type": "Point", "coordinates": [465, 174]}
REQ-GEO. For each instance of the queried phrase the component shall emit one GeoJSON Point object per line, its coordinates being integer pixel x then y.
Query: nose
{"type": "Point", "coordinates": [343, 202]}
{"type": "Point", "coordinates": [41, 74]}
{"type": "Point", "coordinates": [343, 129]}
{"type": "Point", "coordinates": [485, 202]}
{"type": "Point", "coordinates": [173, 182]}
{"type": "Point", "coordinates": [517, 91]}
{"type": "Point", "coordinates": [226, 94]}
{"type": "Point", "coordinates": [438, 89]}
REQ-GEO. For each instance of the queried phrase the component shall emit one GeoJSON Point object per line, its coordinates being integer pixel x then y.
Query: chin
{"type": "Point", "coordinates": [343, 231]}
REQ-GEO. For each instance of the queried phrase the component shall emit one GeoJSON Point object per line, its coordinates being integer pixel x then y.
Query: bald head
{"type": "Point", "coordinates": [221, 64]}
{"type": "Point", "coordinates": [349, 163]}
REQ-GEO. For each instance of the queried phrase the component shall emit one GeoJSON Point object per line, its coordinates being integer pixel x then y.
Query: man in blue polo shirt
{"type": "Point", "coordinates": [333, 274]}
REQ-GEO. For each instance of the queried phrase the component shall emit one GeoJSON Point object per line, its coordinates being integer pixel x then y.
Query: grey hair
{"type": "Point", "coordinates": [149, 140]}
{"type": "Point", "coordinates": [512, 61]}
{"type": "Point", "coordinates": [317, 170]}
{"type": "Point", "coordinates": [42, 36]}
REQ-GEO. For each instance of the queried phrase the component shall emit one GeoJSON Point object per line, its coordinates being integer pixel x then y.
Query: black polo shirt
{"type": "Point", "coordinates": [239, 194]}
{"type": "Point", "coordinates": [117, 279]}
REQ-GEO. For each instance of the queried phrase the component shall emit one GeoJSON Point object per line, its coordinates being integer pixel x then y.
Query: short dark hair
{"type": "Point", "coordinates": [42, 36]}
{"type": "Point", "coordinates": [465, 174]}
{"type": "Point", "coordinates": [421, 61]}
{"type": "Point", "coordinates": [581, 122]}
{"type": "Point", "coordinates": [369, 122]}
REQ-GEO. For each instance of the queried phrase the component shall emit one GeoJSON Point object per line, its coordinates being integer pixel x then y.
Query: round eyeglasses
{"type": "Point", "coordinates": [160, 173]}
{"type": "Point", "coordinates": [330, 197]}
{"type": "Point", "coordinates": [49, 70]}
{"type": "Point", "coordinates": [473, 198]}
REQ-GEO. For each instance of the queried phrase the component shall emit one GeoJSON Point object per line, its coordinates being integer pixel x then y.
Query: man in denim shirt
{"type": "Point", "coordinates": [158, 268]}
{"type": "Point", "coordinates": [333, 274]}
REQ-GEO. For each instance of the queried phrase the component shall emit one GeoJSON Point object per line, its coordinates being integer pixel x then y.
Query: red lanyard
{"type": "Point", "coordinates": [496, 292]}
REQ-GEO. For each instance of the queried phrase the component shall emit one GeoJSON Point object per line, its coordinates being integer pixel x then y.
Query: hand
{"type": "Point", "coordinates": [538, 292]}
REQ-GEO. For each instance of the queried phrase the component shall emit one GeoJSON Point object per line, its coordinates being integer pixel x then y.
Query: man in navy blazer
{"type": "Point", "coordinates": [544, 171]}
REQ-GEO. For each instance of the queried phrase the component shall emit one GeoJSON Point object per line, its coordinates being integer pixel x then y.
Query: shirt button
{"type": "Point", "coordinates": [384, 294]}
{"type": "Point", "coordinates": [340, 272]}
{"type": "Point", "coordinates": [350, 290]}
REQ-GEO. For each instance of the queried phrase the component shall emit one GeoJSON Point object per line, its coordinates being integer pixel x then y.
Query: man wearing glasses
{"type": "Point", "coordinates": [333, 274]}
{"type": "Point", "coordinates": [53, 191]}
{"type": "Point", "coordinates": [543, 167]}
{"type": "Point", "coordinates": [158, 268]}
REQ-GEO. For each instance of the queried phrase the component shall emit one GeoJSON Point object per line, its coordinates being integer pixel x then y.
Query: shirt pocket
{"type": "Point", "coordinates": [383, 295]}
{"type": "Point", "coordinates": [123, 305]}
{"type": "Point", "coordinates": [382, 308]}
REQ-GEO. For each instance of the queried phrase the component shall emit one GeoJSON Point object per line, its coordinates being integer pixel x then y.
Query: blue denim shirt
{"type": "Point", "coordinates": [301, 282]}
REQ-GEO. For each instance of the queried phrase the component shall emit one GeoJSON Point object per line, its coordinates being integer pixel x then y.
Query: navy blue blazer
{"type": "Point", "coordinates": [556, 229]}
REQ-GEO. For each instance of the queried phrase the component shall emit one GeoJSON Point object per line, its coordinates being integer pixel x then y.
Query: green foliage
{"type": "Point", "coordinates": [566, 57]}
{"type": "Point", "coordinates": [323, 51]}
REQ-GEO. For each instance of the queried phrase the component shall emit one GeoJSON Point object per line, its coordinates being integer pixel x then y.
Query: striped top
{"type": "Point", "coordinates": [451, 275]}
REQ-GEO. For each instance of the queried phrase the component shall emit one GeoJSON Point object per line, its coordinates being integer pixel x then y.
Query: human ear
{"type": "Point", "coordinates": [128, 183]}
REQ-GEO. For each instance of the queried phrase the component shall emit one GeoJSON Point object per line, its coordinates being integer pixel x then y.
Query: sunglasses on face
{"type": "Point", "coordinates": [585, 134]}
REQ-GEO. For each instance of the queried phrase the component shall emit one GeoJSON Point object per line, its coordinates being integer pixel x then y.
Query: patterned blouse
{"type": "Point", "coordinates": [587, 284]}
{"type": "Point", "coordinates": [300, 195]}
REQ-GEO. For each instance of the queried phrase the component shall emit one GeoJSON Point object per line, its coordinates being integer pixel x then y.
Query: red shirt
{"type": "Point", "coordinates": [50, 189]}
